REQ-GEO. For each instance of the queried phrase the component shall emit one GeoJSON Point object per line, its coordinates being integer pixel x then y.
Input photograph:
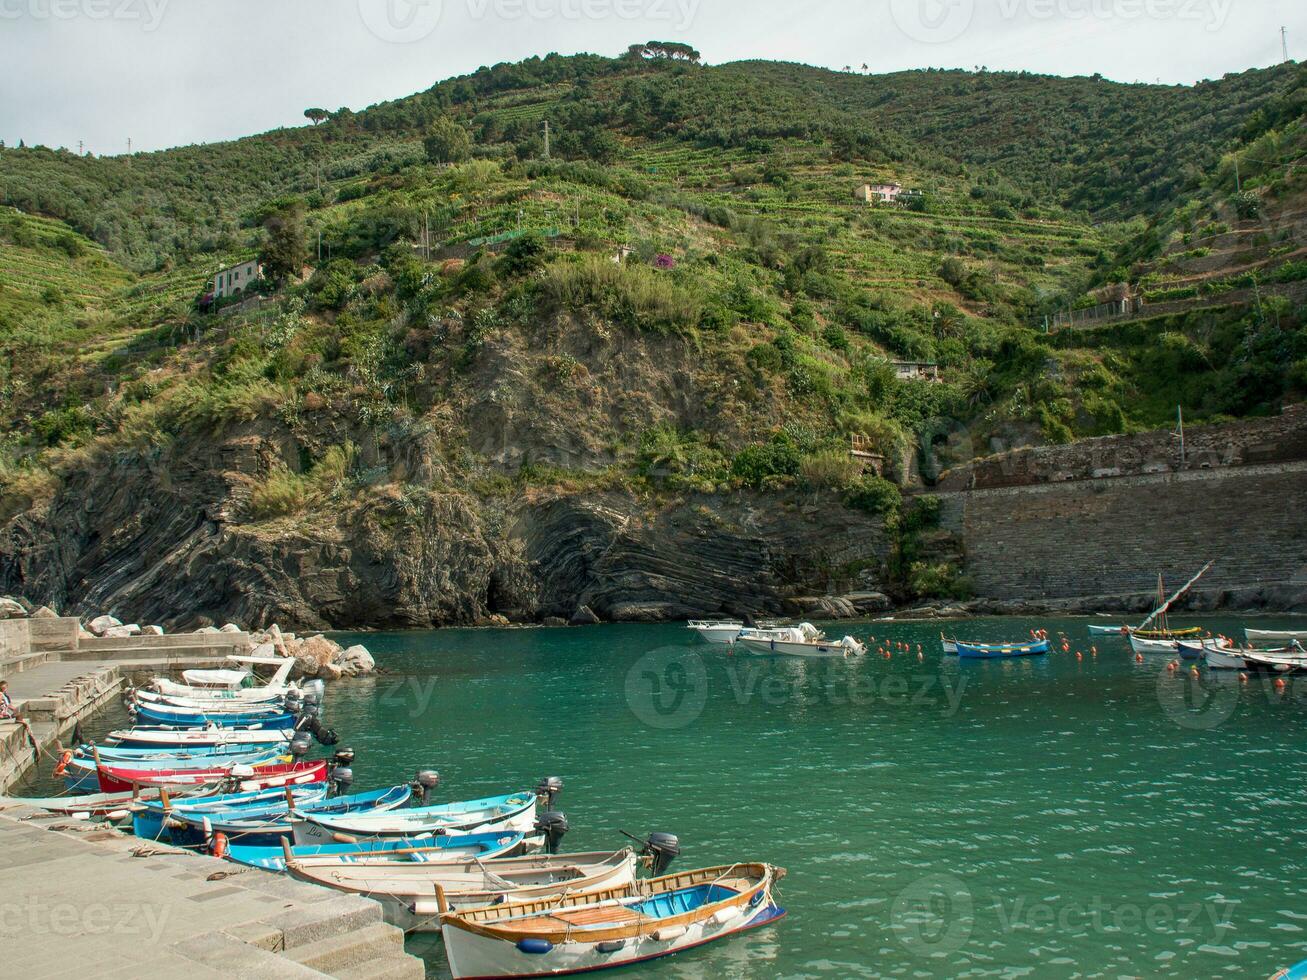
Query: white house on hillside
{"type": "Point", "coordinates": [235, 279]}
{"type": "Point", "coordinates": [879, 193]}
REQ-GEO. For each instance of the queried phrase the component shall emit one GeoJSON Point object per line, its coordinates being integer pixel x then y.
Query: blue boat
{"type": "Point", "coordinates": [1296, 972]}
{"type": "Point", "coordinates": [141, 753]}
{"type": "Point", "coordinates": [267, 720]}
{"type": "Point", "coordinates": [987, 651]}
{"type": "Point", "coordinates": [174, 739]}
{"type": "Point", "coordinates": [444, 847]}
{"type": "Point", "coordinates": [266, 824]}
{"type": "Point", "coordinates": [149, 820]}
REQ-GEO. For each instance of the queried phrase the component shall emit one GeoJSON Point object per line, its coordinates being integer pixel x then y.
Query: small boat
{"type": "Point", "coordinates": [804, 640]}
{"type": "Point", "coordinates": [949, 646]}
{"type": "Point", "coordinates": [991, 651]}
{"type": "Point", "coordinates": [1275, 636]}
{"type": "Point", "coordinates": [113, 778]}
{"type": "Point", "coordinates": [268, 824]}
{"type": "Point", "coordinates": [713, 631]}
{"type": "Point", "coordinates": [445, 847]}
{"type": "Point", "coordinates": [80, 772]}
{"type": "Point", "coordinates": [274, 717]}
{"type": "Point", "coordinates": [236, 685]}
{"type": "Point", "coordinates": [1109, 630]}
{"type": "Point", "coordinates": [611, 927]}
{"type": "Point", "coordinates": [114, 806]}
{"type": "Point", "coordinates": [1173, 644]}
{"type": "Point", "coordinates": [226, 703]}
{"type": "Point", "coordinates": [1275, 662]}
{"type": "Point", "coordinates": [252, 736]}
{"type": "Point", "coordinates": [511, 812]}
{"type": "Point", "coordinates": [159, 818]}
{"type": "Point", "coordinates": [408, 892]}
{"type": "Point", "coordinates": [1296, 972]}
{"type": "Point", "coordinates": [1163, 638]}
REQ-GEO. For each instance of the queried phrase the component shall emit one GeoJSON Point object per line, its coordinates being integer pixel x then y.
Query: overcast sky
{"type": "Point", "coordinates": [167, 72]}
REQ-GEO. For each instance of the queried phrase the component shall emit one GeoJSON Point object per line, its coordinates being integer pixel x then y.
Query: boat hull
{"type": "Point", "coordinates": [590, 932]}
{"type": "Point", "coordinates": [718, 633]}
{"type": "Point", "coordinates": [995, 651]}
{"type": "Point", "coordinates": [788, 648]}
{"type": "Point", "coordinates": [450, 847]}
{"type": "Point", "coordinates": [506, 817]}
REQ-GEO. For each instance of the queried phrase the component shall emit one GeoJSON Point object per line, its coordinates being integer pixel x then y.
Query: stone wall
{"type": "Point", "coordinates": [15, 638]}
{"type": "Point", "coordinates": [1281, 439]}
{"type": "Point", "coordinates": [1111, 536]}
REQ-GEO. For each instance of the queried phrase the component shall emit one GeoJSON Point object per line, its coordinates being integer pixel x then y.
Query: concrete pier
{"type": "Point", "coordinates": [83, 899]}
{"type": "Point", "coordinates": [78, 899]}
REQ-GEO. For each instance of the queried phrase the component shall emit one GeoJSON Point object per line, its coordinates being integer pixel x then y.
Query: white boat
{"type": "Point", "coordinates": [205, 704]}
{"type": "Point", "coordinates": [1111, 630]}
{"type": "Point", "coordinates": [192, 737]}
{"type": "Point", "coordinates": [513, 812]}
{"type": "Point", "coordinates": [713, 631]}
{"type": "Point", "coordinates": [804, 640]}
{"type": "Point", "coordinates": [1142, 644]}
{"type": "Point", "coordinates": [230, 684]}
{"type": "Point", "coordinates": [611, 927]}
{"type": "Point", "coordinates": [1275, 636]}
{"type": "Point", "coordinates": [408, 891]}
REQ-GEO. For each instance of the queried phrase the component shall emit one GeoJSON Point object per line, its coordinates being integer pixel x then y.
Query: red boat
{"type": "Point", "coordinates": [117, 779]}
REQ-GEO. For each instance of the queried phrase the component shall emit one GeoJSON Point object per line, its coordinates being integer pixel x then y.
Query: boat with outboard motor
{"type": "Point", "coordinates": [431, 847]}
{"type": "Point", "coordinates": [714, 631]}
{"type": "Point", "coordinates": [804, 640]}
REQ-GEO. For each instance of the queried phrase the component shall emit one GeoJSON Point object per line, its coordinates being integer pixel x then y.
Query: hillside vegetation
{"type": "Point", "coordinates": [684, 297]}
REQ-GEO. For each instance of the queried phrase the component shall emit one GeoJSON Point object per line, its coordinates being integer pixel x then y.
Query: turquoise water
{"type": "Point", "coordinates": [1043, 816]}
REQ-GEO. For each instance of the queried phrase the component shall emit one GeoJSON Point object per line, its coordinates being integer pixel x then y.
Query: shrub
{"type": "Point", "coordinates": [829, 469]}
{"type": "Point", "coordinates": [754, 465]}
{"type": "Point", "coordinates": [764, 358]}
{"type": "Point", "coordinates": [633, 295]}
{"type": "Point", "coordinates": [281, 494]}
{"type": "Point", "coordinates": [874, 495]}
{"type": "Point", "coordinates": [940, 580]}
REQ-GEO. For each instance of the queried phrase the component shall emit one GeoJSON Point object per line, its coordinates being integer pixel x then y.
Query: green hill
{"type": "Point", "coordinates": [685, 296]}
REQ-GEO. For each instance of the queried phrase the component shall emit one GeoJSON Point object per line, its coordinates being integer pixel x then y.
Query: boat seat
{"type": "Point", "coordinates": [605, 915]}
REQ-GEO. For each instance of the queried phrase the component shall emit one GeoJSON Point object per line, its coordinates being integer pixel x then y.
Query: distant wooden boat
{"type": "Point", "coordinates": [611, 927]}
{"type": "Point", "coordinates": [411, 893]}
{"type": "Point", "coordinates": [1109, 630]}
{"type": "Point", "coordinates": [990, 651]}
{"type": "Point", "coordinates": [713, 631]}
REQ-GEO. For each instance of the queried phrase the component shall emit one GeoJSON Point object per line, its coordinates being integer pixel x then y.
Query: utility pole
{"type": "Point", "coordinates": [319, 246]}
{"type": "Point", "coordinates": [1238, 182]}
{"type": "Point", "coordinates": [129, 146]}
{"type": "Point", "coordinates": [1179, 414]}
{"type": "Point", "coordinates": [546, 139]}
{"type": "Point", "coordinates": [1284, 43]}
{"type": "Point", "coordinates": [80, 145]}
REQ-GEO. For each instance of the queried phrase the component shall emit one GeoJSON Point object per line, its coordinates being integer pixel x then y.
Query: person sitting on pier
{"type": "Point", "coordinates": [7, 710]}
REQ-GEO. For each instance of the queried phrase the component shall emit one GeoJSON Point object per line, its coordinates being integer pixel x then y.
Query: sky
{"type": "Point", "coordinates": [170, 72]}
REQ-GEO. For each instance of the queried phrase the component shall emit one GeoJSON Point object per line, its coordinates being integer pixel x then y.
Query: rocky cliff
{"type": "Point", "coordinates": [157, 537]}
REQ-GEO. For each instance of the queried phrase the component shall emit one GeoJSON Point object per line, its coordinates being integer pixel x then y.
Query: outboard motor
{"type": "Point", "coordinates": [548, 790]}
{"type": "Point", "coordinates": [343, 757]}
{"type": "Point", "coordinates": [341, 779]}
{"type": "Point", "coordinates": [663, 849]}
{"type": "Point", "coordinates": [326, 736]}
{"type": "Point", "coordinates": [300, 745]}
{"type": "Point", "coordinates": [292, 703]}
{"type": "Point", "coordinates": [553, 825]}
{"type": "Point", "coordinates": [424, 781]}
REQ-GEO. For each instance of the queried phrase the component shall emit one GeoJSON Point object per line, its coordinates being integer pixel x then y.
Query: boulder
{"type": "Point", "coordinates": [356, 660]}
{"type": "Point", "coordinates": [11, 609]}
{"type": "Point", "coordinates": [265, 650]}
{"type": "Point", "coordinates": [306, 666]}
{"type": "Point", "coordinates": [100, 624]}
{"type": "Point", "coordinates": [316, 648]}
{"type": "Point", "coordinates": [45, 612]}
{"type": "Point", "coordinates": [553, 621]}
{"type": "Point", "coordinates": [495, 619]}
{"type": "Point", "coordinates": [231, 628]}
{"type": "Point", "coordinates": [152, 631]}
{"type": "Point", "coordinates": [584, 616]}
{"type": "Point", "coordinates": [330, 672]}
{"type": "Point", "coordinates": [208, 629]}
{"type": "Point", "coordinates": [122, 632]}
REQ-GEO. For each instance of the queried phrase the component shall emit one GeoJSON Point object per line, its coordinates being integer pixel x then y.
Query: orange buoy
{"type": "Point", "coordinates": [1079, 655]}
{"type": "Point", "coordinates": [1139, 658]}
{"type": "Point", "coordinates": [1193, 671]}
{"type": "Point", "coordinates": [1279, 683]}
{"type": "Point", "coordinates": [920, 655]}
{"type": "Point", "coordinates": [1243, 678]}
{"type": "Point", "coordinates": [1094, 651]}
{"type": "Point", "coordinates": [65, 757]}
{"type": "Point", "coordinates": [219, 846]}
{"type": "Point", "coordinates": [1171, 665]}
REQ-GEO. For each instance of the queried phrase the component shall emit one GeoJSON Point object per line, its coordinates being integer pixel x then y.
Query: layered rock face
{"type": "Point", "coordinates": [159, 539]}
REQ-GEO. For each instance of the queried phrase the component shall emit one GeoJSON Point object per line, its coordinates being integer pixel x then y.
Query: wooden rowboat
{"type": "Point", "coordinates": [1275, 636]}
{"type": "Point", "coordinates": [990, 651]}
{"type": "Point", "coordinates": [612, 927]}
{"type": "Point", "coordinates": [408, 892]}
{"type": "Point", "coordinates": [446, 847]}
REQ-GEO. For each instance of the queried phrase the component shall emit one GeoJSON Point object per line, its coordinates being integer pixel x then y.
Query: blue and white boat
{"type": "Point", "coordinates": [266, 824]}
{"type": "Point", "coordinates": [443, 847]}
{"type": "Point", "coordinates": [251, 737]}
{"type": "Point", "coordinates": [149, 819]}
{"type": "Point", "coordinates": [989, 651]}
{"type": "Point", "coordinates": [511, 812]}
{"type": "Point", "coordinates": [191, 718]}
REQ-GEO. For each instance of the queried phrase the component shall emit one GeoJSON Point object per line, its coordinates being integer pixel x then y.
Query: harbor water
{"type": "Point", "coordinates": [1058, 816]}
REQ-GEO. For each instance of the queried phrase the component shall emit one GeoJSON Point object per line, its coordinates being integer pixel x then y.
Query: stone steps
{"type": "Point", "coordinates": [385, 968]}
{"type": "Point", "coordinates": [333, 954]}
